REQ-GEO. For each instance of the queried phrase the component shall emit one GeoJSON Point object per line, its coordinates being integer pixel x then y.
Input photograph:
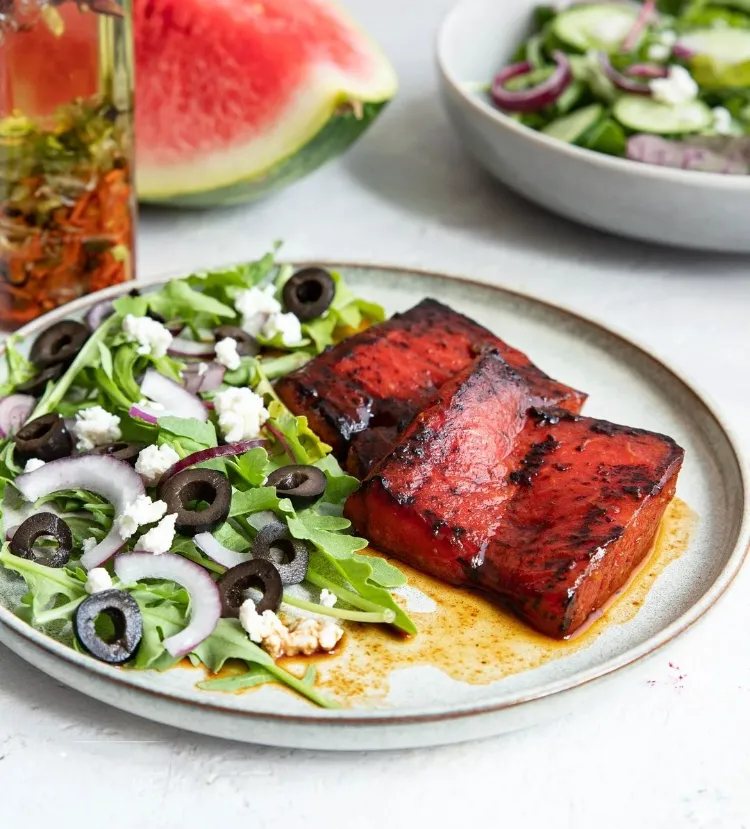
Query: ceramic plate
{"type": "Point", "coordinates": [420, 704]}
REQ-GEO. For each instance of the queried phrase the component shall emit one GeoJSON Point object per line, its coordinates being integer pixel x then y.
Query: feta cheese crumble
{"type": "Point", "coordinates": [240, 412]}
{"type": "Point", "coordinates": [255, 306]}
{"type": "Point", "coordinates": [159, 539]}
{"type": "Point", "coordinates": [300, 636]}
{"type": "Point", "coordinates": [33, 464]}
{"type": "Point", "coordinates": [138, 513]}
{"type": "Point", "coordinates": [152, 337]}
{"type": "Point", "coordinates": [98, 580]}
{"type": "Point", "coordinates": [328, 599]}
{"type": "Point", "coordinates": [89, 543]}
{"type": "Point", "coordinates": [96, 426]}
{"type": "Point", "coordinates": [722, 121]}
{"type": "Point", "coordinates": [226, 353]}
{"type": "Point", "coordinates": [154, 461]}
{"type": "Point", "coordinates": [286, 325]}
{"type": "Point", "coordinates": [677, 88]}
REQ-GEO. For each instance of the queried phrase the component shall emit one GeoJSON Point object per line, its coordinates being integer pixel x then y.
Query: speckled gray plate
{"type": "Point", "coordinates": [425, 707]}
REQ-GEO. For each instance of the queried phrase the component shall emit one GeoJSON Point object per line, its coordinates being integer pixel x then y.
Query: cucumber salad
{"type": "Point", "coordinates": [160, 502]}
{"type": "Point", "coordinates": [664, 82]}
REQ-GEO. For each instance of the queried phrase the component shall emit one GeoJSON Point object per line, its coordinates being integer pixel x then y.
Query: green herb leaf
{"type": "Point", "coordinates": [193, 434]}
{"type": "Point", "coordinates": [254, 500]}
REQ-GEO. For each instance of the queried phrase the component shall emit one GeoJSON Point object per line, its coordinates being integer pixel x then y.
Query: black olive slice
{"type": "Point", "coordinates": [246, 345]}
{"type": "Point", "coordinates": [59, 343]}
{"type": "Point", "coordinates": [126, 618]}
{"type": "Point", "coordinates": [303, 484]}
{"type": "Point", "coordinates": [191, 485]}
{"type": "Point", "coordinates": [309, 293]}
{"type": "Point", "coordinates": [257, 573]}
{"type": "Point", "coordinates": [46, 437]}
{"type": "Point", "coordinates": [37, 385]}
{"type": "Point", "coordinates": [32, 529]}
{"type": "Point", "coordinates": [294, 554]}
{"type": "Point", "coordinates": [127, 452]}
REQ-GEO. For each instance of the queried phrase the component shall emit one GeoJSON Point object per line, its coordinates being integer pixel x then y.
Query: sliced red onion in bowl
{"type": "Point", "coordinates": [216, 551]}
{"type": "Point", "coordinates": [623, 81]}
{"type": "Point", "coordinates": [172, 396]}
{"type": "Point", "coordinates": [228, 450]}
{"type": "Point", "coordinates": [537, 97]}
{"type": "Point", "coordinates": [182, 347]}
{"type": "Point", "coordinates": [96, 315]}
{"type": "Point", "coordinates": [205, 604]}
{"type": "Point", "coordinates": [647, 70]}
{"type": "Point", "coordinates": [109, 477]}
{"type": "Point", "coordinates": [648, 10]}
{"type": "Point", "coordinates": [682, 52]}
{"type": "Point", "coordinates": [14, 412]}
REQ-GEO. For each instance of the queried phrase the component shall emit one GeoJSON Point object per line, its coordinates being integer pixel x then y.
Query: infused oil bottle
{"type": "Point", "coordinates": [67, 204]}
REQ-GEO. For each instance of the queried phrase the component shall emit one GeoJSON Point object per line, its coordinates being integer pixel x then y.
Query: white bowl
{"type": "Point", "coordinates": [657, 204]}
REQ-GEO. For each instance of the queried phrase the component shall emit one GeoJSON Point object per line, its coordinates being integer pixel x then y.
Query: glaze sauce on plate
{"type": "Point", "coordinates": [469, 638]}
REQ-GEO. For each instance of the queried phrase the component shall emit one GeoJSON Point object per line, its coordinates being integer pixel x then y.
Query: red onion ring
{"type": "Point", "coordinates": [210, 380]}
{"type": "Point", "coordinates": [109, 477]}
{"type": "Point", "coordinates": [176, 400]}
{"type": "Point", "coordinates": [216, 551]}
{"type": "Point", "coordinates": [14, 412]}
{"type": "Point", "coordinates": [536, 98]}
{"type": "Point", "coordinates": [647, 70]}
{"type": "Point", "coordinates": [96, 315]}
{"type": "Point", "coordinates": [205, 604]}
{"type": "Point", "coordinates": [682, 52]}
{"type": "Point", "coordinates": [144, 414]}
{"type": "Point", "coordinates": [181, 347]}
{"type": "Point", "coordinates": [620, 80]}
{"type": "Point", "coordinates": [228, 450]}
{"type": "Point", "coordinates": [645, 14]}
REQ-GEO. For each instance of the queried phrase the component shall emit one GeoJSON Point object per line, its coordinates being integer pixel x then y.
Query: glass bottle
{"type": "Point", "coordinates": [67, 201]}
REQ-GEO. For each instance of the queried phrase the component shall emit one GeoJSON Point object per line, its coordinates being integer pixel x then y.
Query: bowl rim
{"type": "Point", "coordinates": [551, 689]}
{"type": "Point", "coordinates": [672, 175]}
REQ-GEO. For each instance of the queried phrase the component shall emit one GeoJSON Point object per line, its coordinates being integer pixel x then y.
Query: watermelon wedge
{"type": "Point", "coordinates": [236, 98]}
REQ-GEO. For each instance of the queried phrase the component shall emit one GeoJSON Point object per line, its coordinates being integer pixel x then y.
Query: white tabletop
{"type": "Point", "coordinates": [670, 750]}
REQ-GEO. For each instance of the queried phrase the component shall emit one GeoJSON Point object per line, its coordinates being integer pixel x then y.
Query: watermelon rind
{"type": "Point", "coordinates": [340, 131]}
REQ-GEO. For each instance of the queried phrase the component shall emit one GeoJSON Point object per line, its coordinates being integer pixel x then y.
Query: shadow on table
{"type": "Point", "coordinates": [426, 170]}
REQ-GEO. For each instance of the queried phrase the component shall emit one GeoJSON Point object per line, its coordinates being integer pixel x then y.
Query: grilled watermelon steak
{"type": "Point", "coordinates": [237, 98]}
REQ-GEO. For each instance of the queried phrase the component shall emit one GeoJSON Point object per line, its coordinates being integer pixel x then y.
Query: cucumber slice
{"type": "Point", "coordinates": [599, 27]}
{"type": "Point", "coordinates": [571, 127]}
{"type": "Point", "coordinates": [726, 46]}
{"type": "Point", "coordinates": [646, 115]}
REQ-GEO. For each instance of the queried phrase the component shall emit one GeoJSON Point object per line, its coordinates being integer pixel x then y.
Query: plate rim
{"type": "Point", "coordinates": [443, 712]}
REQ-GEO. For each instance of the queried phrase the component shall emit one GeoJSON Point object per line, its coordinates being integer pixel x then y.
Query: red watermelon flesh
{"type": "Point", "coordinates": [227, 89]}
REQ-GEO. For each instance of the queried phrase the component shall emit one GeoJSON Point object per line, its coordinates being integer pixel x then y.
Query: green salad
{"type": "Point", "coordinates": [160, 502]}
{"type": "Point", "coordinates": [664, 82]}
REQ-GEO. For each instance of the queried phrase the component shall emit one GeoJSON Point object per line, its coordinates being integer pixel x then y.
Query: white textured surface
{"type": "Point", "coordinates": [671, 752]}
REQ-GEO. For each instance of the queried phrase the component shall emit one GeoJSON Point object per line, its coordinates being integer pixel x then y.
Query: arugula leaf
{"type": "Point", "coordinates": [19, 368]}
{"type": "Point", "coordinates": [229, 641]}
{"type": "Point", "coordinates": [124, 361]}
{"type": "Point", "coordinates": [340, 485]}
{"type": "Point", "coordinates": [105, 357]}
{"type": "Point", "coordinates": [45, 583]}
{"type": "Point", "coordinates": [304, 444]}
{"type": "Point", "coordinates": [193, 434]}
{"type": "Point", "coordinates": [338, 550]}
{"type": "Point", "coordinates": [88, 355]}
{"type": "Point", "coordinates": [254, 500]}
{"type": "Point", "coordinates": [257, 675]}
{"type": "Point", "coordinates": [252, 466]}
{"type": "Point", "coordinates": [135, 305]}
{"type": "Point", "coordinates": [178, 299]}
